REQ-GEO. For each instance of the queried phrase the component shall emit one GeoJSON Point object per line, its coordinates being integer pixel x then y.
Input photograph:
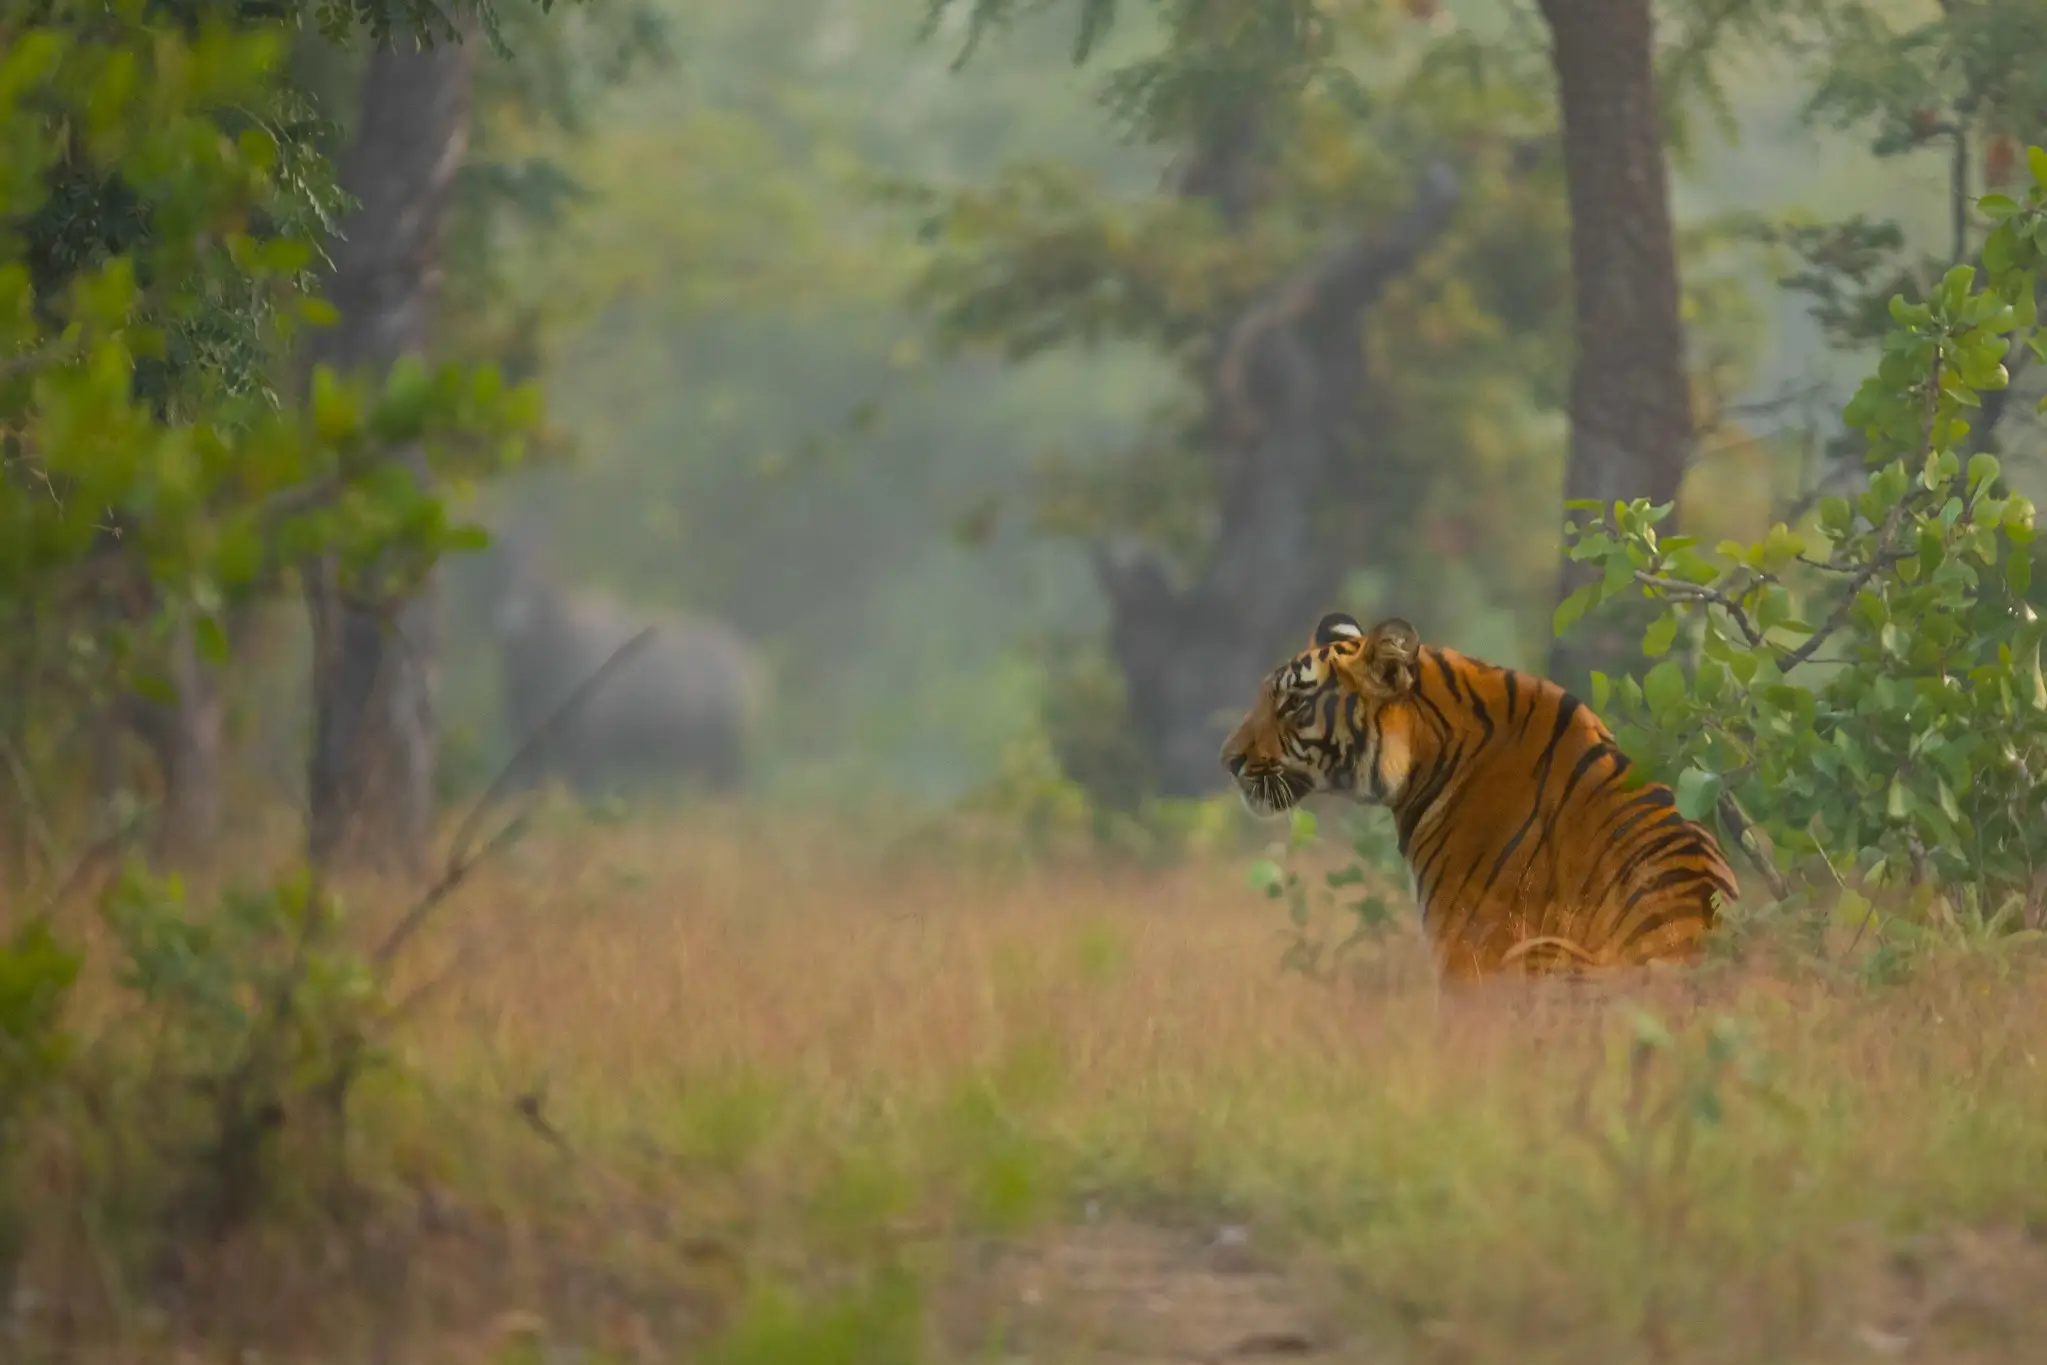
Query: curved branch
{"type": "Point", "coordinates": [1332, 288]}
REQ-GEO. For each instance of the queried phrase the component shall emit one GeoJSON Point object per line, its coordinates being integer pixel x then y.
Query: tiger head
{"type": "Point", "coordinates": [1328, 719]}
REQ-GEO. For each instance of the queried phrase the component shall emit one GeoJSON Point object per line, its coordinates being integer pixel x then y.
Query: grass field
{"type": "Point", "coordinates": [690, 1092]}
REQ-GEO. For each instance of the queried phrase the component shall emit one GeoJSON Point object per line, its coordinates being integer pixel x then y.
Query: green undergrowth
{"type": "Point", "coordinates": [1611, 1182]}
{"type": "Point", "coordinates": [1716, 1169]}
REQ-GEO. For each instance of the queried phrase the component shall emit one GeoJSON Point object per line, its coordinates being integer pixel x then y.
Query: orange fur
{"type": "Point", "coordinates": [1530, 846]}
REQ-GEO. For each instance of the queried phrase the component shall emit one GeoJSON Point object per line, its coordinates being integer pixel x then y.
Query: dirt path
{"type": "Point", "coordinates": [1120, 1292]}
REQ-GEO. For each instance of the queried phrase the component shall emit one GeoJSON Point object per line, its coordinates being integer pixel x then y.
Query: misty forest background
{"type": "Point", "coordinates": [1023, 381]}
{"type": "Point", "coordinates": [912, 373]}
{"type": "Point", "coordinates": [733, 316]}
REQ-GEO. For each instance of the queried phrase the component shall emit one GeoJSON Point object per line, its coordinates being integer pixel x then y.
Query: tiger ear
{"type": "Point", "coordinates": [1391, 655]}
{"type": "Point", "coordinates": [1336, 626]}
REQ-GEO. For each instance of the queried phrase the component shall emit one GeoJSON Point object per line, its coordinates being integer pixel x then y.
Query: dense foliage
{"type": "Point", "coordinates": [162, 226]}
{"type": "Point", "coordinates": [163, 205]}
{"type": "Point", "coordinates": [1867, 685]}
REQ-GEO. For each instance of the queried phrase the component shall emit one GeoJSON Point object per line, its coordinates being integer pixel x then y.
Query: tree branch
{"type": "Point", "coordinates": [1705, 596]}
{"type": "Point", "coordinates": [1838, 617]}
{"type": "Point", "coordinates": [1338, 283]}
{"type": "Point", "coordinates": [1744, 831]}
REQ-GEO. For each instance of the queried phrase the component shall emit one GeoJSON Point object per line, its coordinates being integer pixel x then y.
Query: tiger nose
{"type": "Point", "coordinates": [1235, 763]}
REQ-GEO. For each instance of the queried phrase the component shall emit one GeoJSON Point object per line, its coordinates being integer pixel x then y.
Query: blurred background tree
{"type": "Point", "coordinates": [1335, 266]}
{"type": "Point", "coordinates": [958, 378]}
{"type": "Point", "coordinates": [168, 208]}
{"type": "Point", "coordinates": [531, 67]}
{"type": "Point", "coordinates": [951, 337]}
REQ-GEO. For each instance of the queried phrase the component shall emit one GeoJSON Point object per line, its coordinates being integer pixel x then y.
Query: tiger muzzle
{"type": "Point", "coordinates": [1270, 791]}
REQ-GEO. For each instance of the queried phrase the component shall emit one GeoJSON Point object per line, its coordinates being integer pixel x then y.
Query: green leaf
{"type": "Point", "coordinates": [337, 412]}
{"type": "Point", "coordinates": [1657, 639]}
{"type": "Point", "coordinates": [1983, 468]}
{"type": "Point", "coordinates": [1710, 681]}
{"type": "Point", "coordinates": [2036, 161]}
{"type": "Point", "coordinates": [1689, 566]}
{"type": "Point", "coordinates": [1780, 548]}
{"type": "Point", "coordinates": [1697, 792]}
{"type": "Point", "coordinates": [1664, 689]}
{"type": "Point", "coordinates": [210, 640]}
{"type": "Point", "coordinates": [1772, 607]}
{"type": "Point", "coordinates": [1997, 208]}
{"type": "Point", "coordinates": [1572, 608]}
{"type": "Point", "coordinates": [2018, 517]}
{"type": "Point", "coordinates": [1948, 805]}
{"type": "Point", "coordinates": [1997, 251]}
{"type": "Point", "coordinates": [466, 539]}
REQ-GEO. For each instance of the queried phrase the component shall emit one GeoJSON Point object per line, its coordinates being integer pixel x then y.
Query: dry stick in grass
{"type": "Point", "coordinates": [95, 853]}
{"type": "Point", "coordinates": [461, 862]}
{"type": "Point", "coordinates": [34, 823]}
{"type": "Point", "coordinates": [532, 1108]}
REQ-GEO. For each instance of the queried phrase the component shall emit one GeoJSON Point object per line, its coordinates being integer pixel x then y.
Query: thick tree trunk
{"type": "Point", "coordinates": [1282, 404]}
{"type": "Point", "coordinates": [375, 656]}
{"type": "Point", "coordinates": [1631, 413]}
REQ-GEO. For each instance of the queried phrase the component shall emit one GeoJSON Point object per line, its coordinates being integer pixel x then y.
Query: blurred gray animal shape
{"type": "Point", "coordinates": [683, 706]}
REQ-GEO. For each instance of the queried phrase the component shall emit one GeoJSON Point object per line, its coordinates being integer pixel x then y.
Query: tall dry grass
{"type": "Point", "coordinates": [665, 1077]}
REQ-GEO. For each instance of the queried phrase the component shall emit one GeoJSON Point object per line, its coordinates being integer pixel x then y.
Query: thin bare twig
{"type": "Point", "coordinates": [1838, 617]}
{"type": "Point", "coordinates": [33, 820]}
{"type": "Point", "coordinates": [93, 854]}
{"type": "Point", "coordinates": [1705, 596]}
{"type": "Point", "coordinates": [461, 860]}
{"type": "Point", "coordinates": [532, 1107]}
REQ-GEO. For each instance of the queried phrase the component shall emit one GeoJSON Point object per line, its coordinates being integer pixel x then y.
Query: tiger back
{"type": "Point", "coordinates": [1532, 847]}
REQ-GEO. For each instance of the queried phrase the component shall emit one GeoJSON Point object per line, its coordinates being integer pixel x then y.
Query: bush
{"type": "Point", "coordinates": [258, 1009]}
{"type": "Point", "coordinates": [1356, 890]}
{"type": "Point", "coordinates": [1863, 690]}
{"type": "Point", "coordinates": [36, 975]}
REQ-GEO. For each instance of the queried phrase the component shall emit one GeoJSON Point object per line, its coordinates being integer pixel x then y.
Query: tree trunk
{"type": "Point", "coordinates": [1282, 403]}
{"type": "Point", "coordinates": [184, 735]}
{"type": "Point", "coordinates": [1631, 412]}
{"type": "Point", "coordinates": [375, 656]}
{"type": "Point", "coordinates": [187, 738]}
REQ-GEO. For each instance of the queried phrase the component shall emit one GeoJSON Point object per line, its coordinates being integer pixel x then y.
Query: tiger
{"type": "Point", "coordinates": [1531, 848]}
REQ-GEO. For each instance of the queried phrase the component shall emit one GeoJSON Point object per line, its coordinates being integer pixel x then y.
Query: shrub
{"type": "Point", "coordinates": [1863, 689]}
